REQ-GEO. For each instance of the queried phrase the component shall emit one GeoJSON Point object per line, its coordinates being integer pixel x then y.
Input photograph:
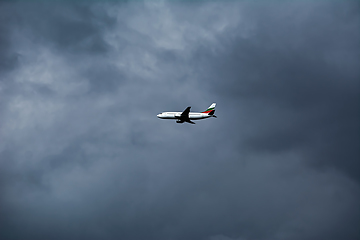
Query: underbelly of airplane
{"type": "Point", "coordinates": [197, 117]}
{"type": "Point", "coordinates": [190, 117]}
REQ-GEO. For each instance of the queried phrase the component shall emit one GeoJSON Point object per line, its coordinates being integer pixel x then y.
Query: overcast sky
{"type": "Point", "coordinates": [83, 155]}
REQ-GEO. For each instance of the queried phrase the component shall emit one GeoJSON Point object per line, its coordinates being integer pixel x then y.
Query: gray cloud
{"type": "Point", "coordinates": [8, 58]}
{"type": "Point", "coordinates": [82, 155]}
{"type": "Point", "coordinates": [305, 94]}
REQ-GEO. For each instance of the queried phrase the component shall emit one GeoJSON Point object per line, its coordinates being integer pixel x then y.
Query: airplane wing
{"type": "Point", "coordinates": [185, 116]}
{"type": "Point", "coordinates": [189, 121]}
{"type": "Point", "coordinates": [185, 113]}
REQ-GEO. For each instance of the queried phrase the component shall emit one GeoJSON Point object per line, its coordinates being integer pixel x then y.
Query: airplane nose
{"type": "Point", "coordinates": [158, 115]}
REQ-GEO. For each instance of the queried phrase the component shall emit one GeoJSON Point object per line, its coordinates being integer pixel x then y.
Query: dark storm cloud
{"type": "Point", "coordinates": [82, 155]}
{"type": "Point", "coordinates": [73, 27]}
{"type": "Point", "coordinates": [8, 58]}
{"type": "Point", "coordinates": [303, 81]}
{"type": "Point", "coordinates": [69, 27]}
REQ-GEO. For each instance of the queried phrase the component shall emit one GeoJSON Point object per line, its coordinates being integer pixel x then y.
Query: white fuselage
{"type": "Point", "coordinates": [176, 115]}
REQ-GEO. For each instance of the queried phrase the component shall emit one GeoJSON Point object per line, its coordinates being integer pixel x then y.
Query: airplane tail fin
{"type": "Point", "coordinates": [210, 109]}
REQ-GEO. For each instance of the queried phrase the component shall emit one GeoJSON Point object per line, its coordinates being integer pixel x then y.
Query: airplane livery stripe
{"type": "Point", "coordinates": [208, 110]}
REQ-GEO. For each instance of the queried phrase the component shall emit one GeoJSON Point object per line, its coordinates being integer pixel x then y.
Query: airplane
{"type": "Point", "coordinates": [187, 116]}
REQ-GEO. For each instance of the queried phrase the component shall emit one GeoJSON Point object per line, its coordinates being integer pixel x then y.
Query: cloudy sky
{"type": "Point", "coordinates": [83, 156]}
